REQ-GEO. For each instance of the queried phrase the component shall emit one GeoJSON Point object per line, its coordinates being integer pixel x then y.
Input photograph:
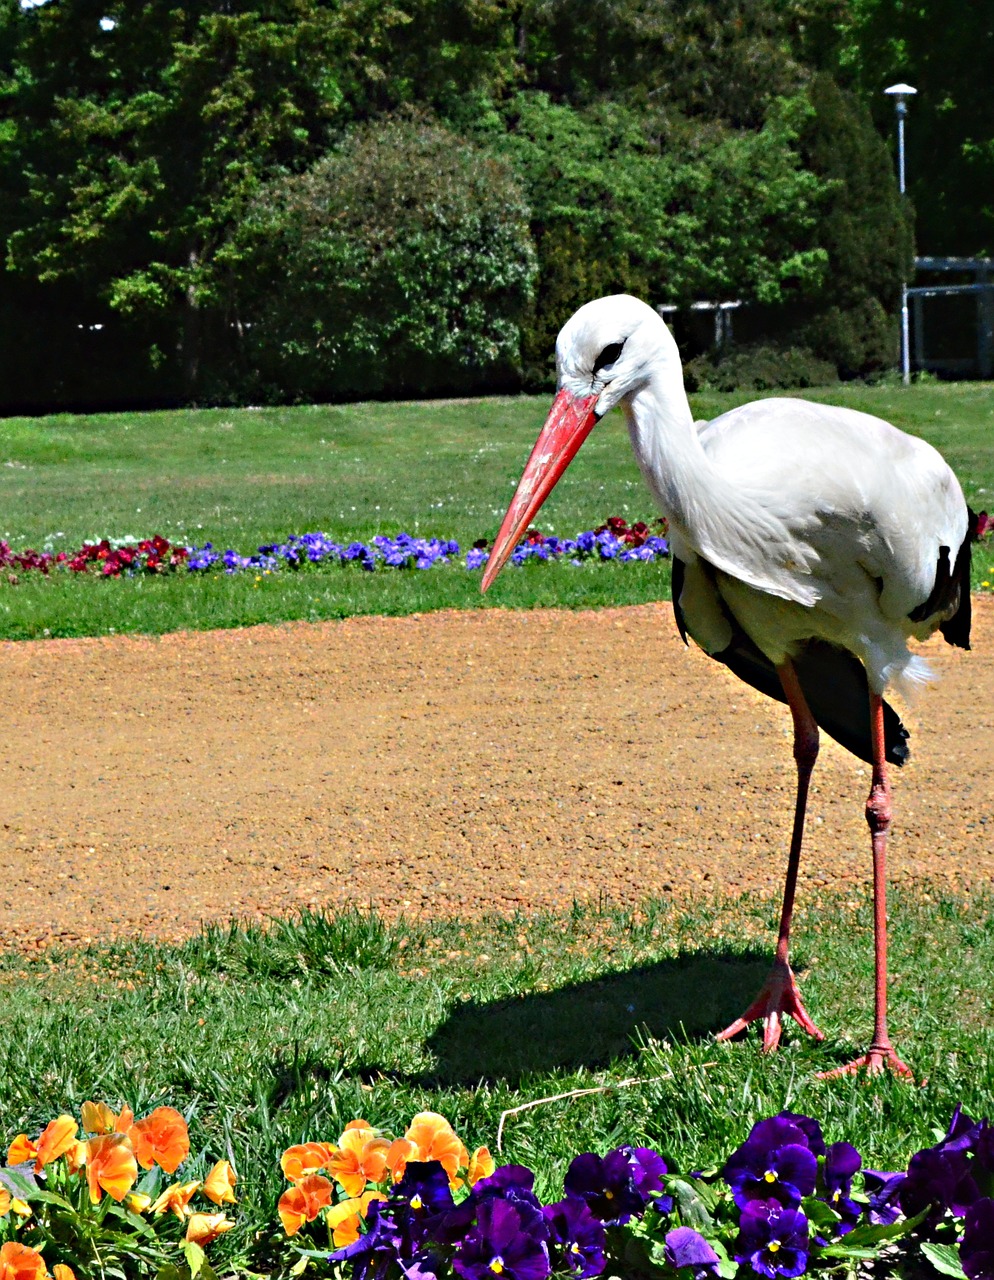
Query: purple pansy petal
{"type": "Point", "coordinates": [977, 1247]}
{"type": "Point", "coordinates": [685, 1247]}
{"type": "Point", "coordinates": [773, 1240]}
{"type": "Point", "coordinates": [577, 1236]}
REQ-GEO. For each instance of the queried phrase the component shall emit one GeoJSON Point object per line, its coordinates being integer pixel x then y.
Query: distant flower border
{"type": "Point", "coordinates": [615, 539]}
{"type": "Point", "coordinates": [374, 1207]}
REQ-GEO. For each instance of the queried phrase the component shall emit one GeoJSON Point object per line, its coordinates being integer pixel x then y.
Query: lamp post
{"type": "Point", "coordinates": [900, 93]}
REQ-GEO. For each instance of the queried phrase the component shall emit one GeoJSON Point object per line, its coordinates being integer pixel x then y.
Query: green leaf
{"type": "Point", "coordinates": [694, 1202]}
{"type": "Point", "coordinates": [195, 1257]}
{"type": "Point", "coordinates": [945, 1258]}
{"type": "Point", "coordinates": [820, 1213]}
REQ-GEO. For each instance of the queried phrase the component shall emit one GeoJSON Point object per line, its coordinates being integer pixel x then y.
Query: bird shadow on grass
{"type": "Point", "coordinates": [591, 1024]}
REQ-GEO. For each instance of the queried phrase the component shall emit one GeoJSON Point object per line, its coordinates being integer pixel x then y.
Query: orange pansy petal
{"type": "Point", "coordinates": [303, 1202]}
{"type": "Point", "coordinates": [436, 1140]}
{"type": "Point", "coordinates": [162, 1138]}
{"type": "Point", "coordinates": [481, 1165]}
{"type": "Point", "coordinates": [399, 1152]}
{"type": "Point", "coordinates": [175, 1199]}
{"type": "Point", "coordinates": [305, 1158]}
{"type": "Point", "coordinates": [21, 1150]}
{"type": "Point", "coordinates": [358, 1124]}
{"type": "Point", "coordinates": [19, 1262]}
{"type": "Point", "coordinates": [4, 1202]}
{"type": "Point", "coordinates": [219, 1185]}
{"type": "Point", "coordinates": [205, 1227]}
{"type": "Point", "coordinates": [62, 1271]}
{"type": "Point", "coordinates": [56, 1139]}
{"type": "Point", "coordinates": [110, 1166]}
{"type": "Point", "coordinates": [124, 1121]}
{"type": "Point", "coordinates": [97, 1117]}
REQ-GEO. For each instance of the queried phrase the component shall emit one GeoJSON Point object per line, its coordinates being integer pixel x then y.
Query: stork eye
{"type": "Point", "coordinates": [608, 356]}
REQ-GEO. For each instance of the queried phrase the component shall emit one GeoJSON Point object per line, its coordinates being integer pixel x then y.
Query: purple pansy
{"type": "Point", "coordinates": [576, 1236]}
{"type": "Point", "coordinates": [775, 1162]}
{"type": "Point", "coordinates": [616, 1186]}
{"type": "Point", "coordinates": [939, 1178]}
{"type": "Point", "coordinates": [976, 1250]}
{"type": "Point", "coordinates": [883, 1191]}
{"type": "Point", "coordinates": [842, 1163]}
{"type": "Point", "coordinates": [773, 1240]}
{"type": "Point", "coordinates": [685, 1247]}
{"type": "Point", "coordinates": [503, 1243]}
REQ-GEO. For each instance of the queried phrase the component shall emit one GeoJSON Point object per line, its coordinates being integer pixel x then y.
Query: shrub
{"type": "Point", "coordinates": [401, 262]}
{"type": "Point", "coordinates": [762, 367]}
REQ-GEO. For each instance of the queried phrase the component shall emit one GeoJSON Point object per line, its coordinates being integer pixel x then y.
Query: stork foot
{"type": "Point", "coordinates": [877, 1059]}
{"type": "Point", "coordinates": [779, 997]}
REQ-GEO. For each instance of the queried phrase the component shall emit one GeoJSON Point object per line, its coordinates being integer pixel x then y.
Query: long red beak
{"type": "Point", "coordinates": [570, 421]}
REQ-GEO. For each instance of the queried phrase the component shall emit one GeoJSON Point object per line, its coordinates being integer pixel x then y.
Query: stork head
{"type": "Point", "coordinates": [604, 353]}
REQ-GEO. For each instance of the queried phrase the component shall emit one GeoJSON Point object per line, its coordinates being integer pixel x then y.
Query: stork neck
{"type": "Point", "coordinates": [685, 482]}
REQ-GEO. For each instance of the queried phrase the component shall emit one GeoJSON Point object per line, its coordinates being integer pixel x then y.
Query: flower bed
{"type": "Point", "coordinates": [420, 1206]}
{"type": "Point", "coordinates": [615, 539]}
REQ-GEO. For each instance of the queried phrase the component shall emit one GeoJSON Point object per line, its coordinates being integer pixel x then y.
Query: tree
{"type": "Point", "coordinates": [947, 52]}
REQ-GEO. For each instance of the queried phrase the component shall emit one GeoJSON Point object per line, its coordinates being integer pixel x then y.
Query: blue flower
{"type": "Point", "coordinates": [883, 1191]}
{"type": "Point", "coordinates": [773, 1240]}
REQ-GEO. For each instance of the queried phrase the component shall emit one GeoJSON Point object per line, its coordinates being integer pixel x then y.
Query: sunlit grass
{"type": "Point", "coordinates": [240, 478]}
{"type": "Point", "coordinates": [266, 1038]}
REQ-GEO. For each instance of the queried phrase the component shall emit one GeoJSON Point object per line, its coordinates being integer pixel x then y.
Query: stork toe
{"type": "Point", "coordinates": [779, 997]}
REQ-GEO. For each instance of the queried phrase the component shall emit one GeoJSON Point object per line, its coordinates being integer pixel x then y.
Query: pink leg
{"type": "Point", "coordinates": [779, 994]}
{"type": "Point", "coordinates": [880, 1055]}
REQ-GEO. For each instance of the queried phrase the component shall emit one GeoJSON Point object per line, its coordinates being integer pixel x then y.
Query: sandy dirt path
{"type": "Point", "coordinates": [453, 762]}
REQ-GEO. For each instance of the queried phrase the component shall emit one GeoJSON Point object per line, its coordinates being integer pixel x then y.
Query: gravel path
{"type": "Point", "coordinates": [452, 762]}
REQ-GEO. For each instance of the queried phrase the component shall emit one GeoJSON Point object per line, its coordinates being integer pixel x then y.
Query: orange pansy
{"type": "Point", "coordinates": [4, 1202]}
{"type": "Point", "coordinates": [481, 1165]}
{"type": "Point", "coordinates": [56, 1139]}
{"type": "Point", "coordinates": [303, 1202]}
{"type": "Point", "coordinates": [162, 1138]}
{"type": "Point", "coordinates": [361, 1158]}
{"type": "Point", "coordinates": [21, 1150]}
{"type": "Point", "coordinates": [205, 1227]}
{"type": "Point", "coordinates": [399, 1152]}
{"type": "Point", "coordinates": [62, 1271]}
{"type": "Point", "coordinates": [18, 1262]}
{"type": "Point", "coordinates": [219, 1185]}
{"type": "Point", "coordinates": [344, 1217]}
{"type": "Point", "coordinates": [110, 1166]}
{"type": "Point", "coordinates": [97, 1117]}
{"type": "Point", "coordinates": [76, 1156]}
{"type": "Point", "coordinates": [435, 1140]}
{"type": "Point", "coordinates": [175, 1199]}
{"type": "Point", "coordinates": [305, 1158]}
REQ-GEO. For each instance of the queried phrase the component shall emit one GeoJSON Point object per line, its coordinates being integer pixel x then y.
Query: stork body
{"type": "Point", "coordinates": [809, 542]}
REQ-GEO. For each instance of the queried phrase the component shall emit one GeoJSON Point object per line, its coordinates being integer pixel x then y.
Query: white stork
{"type": "Point", "coordinates": [809, 543]}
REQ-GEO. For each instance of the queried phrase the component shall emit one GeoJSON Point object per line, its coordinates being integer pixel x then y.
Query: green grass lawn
{"type": "Point", "coordinates": [270, 1039]}
{"type": "Point", "coordinates": [240, 478]}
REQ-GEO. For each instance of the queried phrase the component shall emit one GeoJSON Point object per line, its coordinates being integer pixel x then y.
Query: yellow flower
{"type": "Point", "coordinates": [205, 1227]}
{"type": "Point", "coordinates": [219, 1185]}
{"type": "Point", "coordinates": [137, 1201]}
{"type": "Point", "coordinates": [20, 1207]}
